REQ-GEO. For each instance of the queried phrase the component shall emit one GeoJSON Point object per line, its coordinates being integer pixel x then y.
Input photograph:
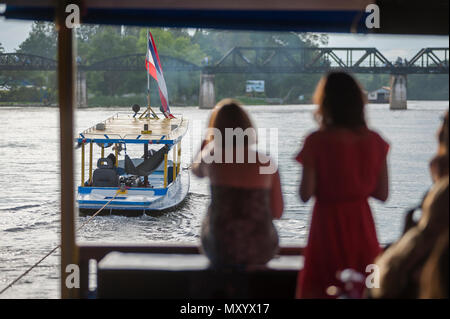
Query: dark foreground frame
{"type": "Point", "coordinates": [190, 277]}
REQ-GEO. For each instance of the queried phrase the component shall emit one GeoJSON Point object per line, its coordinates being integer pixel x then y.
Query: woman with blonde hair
{"type": "Point", "coordinates": [237, 229]}
{"type": "Point", "coordinates": [344, 163]}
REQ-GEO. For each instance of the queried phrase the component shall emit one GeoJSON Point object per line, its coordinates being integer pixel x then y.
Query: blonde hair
{"type": "Point", "coordinates": [228, 113]}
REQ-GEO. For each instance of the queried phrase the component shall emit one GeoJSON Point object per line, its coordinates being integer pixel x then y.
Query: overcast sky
{"type": "Point", "coordinates": [13, 32]}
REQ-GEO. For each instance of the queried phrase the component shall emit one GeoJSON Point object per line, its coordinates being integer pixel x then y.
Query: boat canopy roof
{"type": "Point", "coordinates": [396, 17]}
{"type": "Point", "coordinates": [124, 128]}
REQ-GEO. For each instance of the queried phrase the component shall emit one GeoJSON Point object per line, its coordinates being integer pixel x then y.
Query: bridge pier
{"type": "Point", "coordinates": [81, 90]}
{"type": "Point", "coordinates": [398, 98]}
{"type": "Point", "coordinates": [207, 95]}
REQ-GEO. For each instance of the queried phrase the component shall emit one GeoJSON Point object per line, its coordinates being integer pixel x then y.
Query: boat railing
{"type": "Point", "coordinates": [179, 116]}
{"type": "Point", "coordinates": [127, 138]}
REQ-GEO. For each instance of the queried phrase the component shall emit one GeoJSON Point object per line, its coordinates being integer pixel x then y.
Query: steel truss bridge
{"type": "Point", "coordinates": [259, 60]}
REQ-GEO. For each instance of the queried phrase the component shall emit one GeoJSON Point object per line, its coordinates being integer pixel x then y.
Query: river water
{"type": "Point", "coordinates": [29, 184]}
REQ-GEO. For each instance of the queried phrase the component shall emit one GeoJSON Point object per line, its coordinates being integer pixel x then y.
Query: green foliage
{"type": "Point", "coordinates": [284, 86]}
{"type": "Point", "coordinates": [216, 43]}
{"type": "Point", "coordinates": [420, 86]}
{"type": "Point", "coordinates": [41, 40]}
{"type": "Point", "coordinates": [26, 94]}
{"type": "Point", "coordinates": [102, 100]}
{"type": "Point", "coordinates": [183, 87]}
{"type": "Point", "coordinates": [428, 87]}
{"type": "Point", "coordinates": [174, 43]}
{"type": "Point", "coordinates": [100, 43]}
{"type": "Point", "coordinates": [372, 82]}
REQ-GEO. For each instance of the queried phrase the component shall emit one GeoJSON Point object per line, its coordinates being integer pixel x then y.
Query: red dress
{"type": "Point", "coordinates": [342, 233]}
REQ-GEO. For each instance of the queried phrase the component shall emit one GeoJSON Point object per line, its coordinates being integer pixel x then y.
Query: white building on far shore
{"type": "Point", "coordinates": [379, 96]}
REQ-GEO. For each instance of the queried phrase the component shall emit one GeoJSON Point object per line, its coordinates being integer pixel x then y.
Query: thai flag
{"type": "Point", "coordinates": [153, 66]}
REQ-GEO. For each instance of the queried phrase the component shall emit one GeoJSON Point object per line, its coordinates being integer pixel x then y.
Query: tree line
{"type": "Point", "coordinates": [97, 43]}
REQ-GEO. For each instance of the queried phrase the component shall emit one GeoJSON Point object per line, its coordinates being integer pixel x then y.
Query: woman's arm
{"type": "Point", "coordinates": [381, 192]}
{"type": "Point", "coordinates": [308, 183]}
{"type": "Point", "coordinates": [276, 197]}
{"type": "Point", "coordinates": [197, 167]}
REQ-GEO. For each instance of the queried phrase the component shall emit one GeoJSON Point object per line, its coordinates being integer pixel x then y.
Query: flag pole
{"type": "Point", "coordinates": [149, 109]}
{"type": "Point", "coordinates": [148, 81]}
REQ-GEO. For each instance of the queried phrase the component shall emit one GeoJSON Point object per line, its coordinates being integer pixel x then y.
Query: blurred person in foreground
{"type": "Point", "coordinates": [237, 230]}
{"type": "Point", "coordinates": [434, 279]}
{"type": "Point", "coordinates": [402, 264]}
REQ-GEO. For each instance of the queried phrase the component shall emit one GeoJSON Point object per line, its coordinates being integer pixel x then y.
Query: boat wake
{"type": "Point", "coordinates": [15, 229]}
{"type": "Point", "coordinates": [17, 208]}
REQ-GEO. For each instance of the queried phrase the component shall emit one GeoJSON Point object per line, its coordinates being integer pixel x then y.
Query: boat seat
{"type": "Point", "coordinates": [105, 175]}
{"type": "Point", "coordinates": [155, 275]}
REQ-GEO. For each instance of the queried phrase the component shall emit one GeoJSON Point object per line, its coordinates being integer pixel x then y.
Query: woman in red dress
{"type": "Point", "coordinates": [344, 163]}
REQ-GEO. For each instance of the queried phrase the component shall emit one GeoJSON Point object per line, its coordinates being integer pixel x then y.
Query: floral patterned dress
{"type": "Point", "coordinates": [238, 228]}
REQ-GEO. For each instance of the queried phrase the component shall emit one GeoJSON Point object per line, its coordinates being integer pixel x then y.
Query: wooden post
{"type": "Point", "coordinates": [179, 158]}
{"type": "Point", "coordinates": [116, 164]}
{"type": "Point", "coordinates": [82, 164]}
{"type": "Point", "coordinates": [90, 162]}
{"type": "Point", "coordinates": [146, 154]}
{"type": "Point", "coordinates": [174, 162]}
{"type": "Point", "coordinates": [66, 88]}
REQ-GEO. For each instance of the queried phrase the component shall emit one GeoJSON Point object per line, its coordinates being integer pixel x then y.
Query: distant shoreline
{"type": "Point", "coordinates": [24, 105]}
